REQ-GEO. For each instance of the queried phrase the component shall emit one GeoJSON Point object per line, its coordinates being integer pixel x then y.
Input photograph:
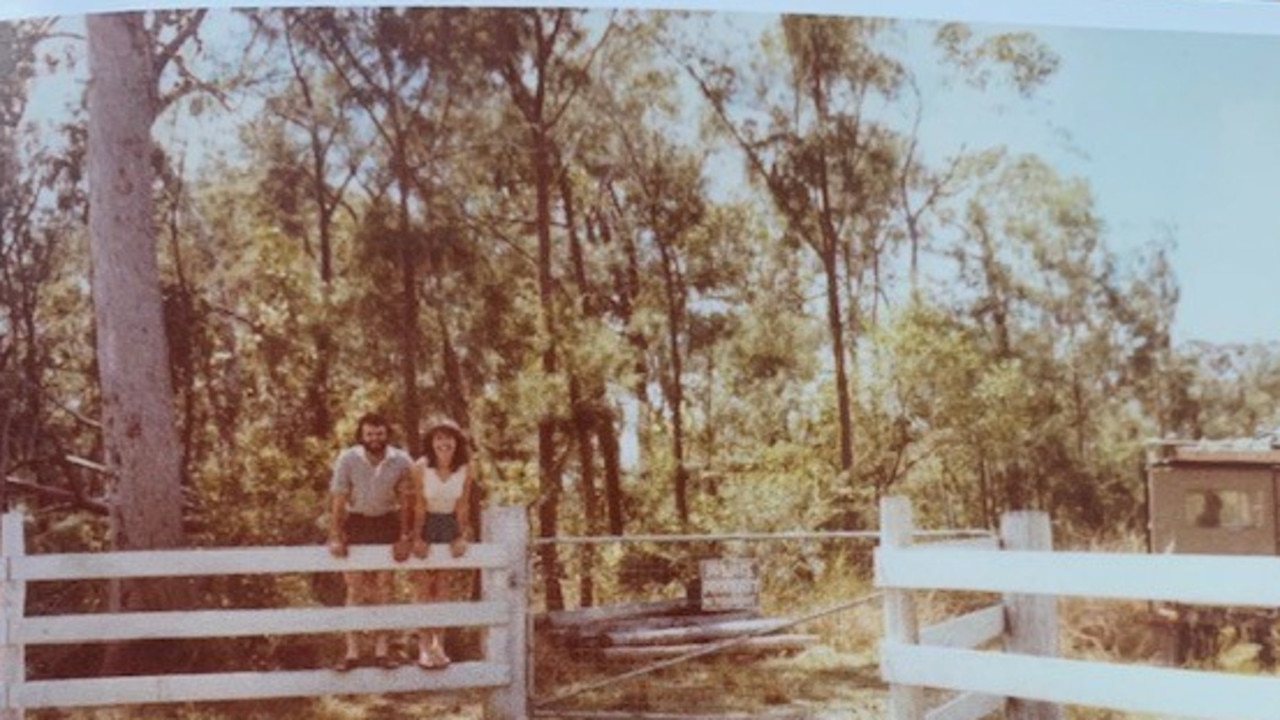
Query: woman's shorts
{"type": "Point", "coordinates": [372, 529]}
{"type": "Point", "coordinates": [440, 528]}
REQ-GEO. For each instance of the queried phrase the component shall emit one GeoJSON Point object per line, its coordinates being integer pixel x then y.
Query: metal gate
{"type": "Point", "coordinates": [675, 626]}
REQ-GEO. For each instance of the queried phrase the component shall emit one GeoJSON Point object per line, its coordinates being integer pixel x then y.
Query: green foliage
{"type": "Point", "coordinates": [513, 214]}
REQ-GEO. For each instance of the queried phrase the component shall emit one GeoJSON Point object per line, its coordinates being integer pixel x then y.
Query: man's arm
{"type": "Point", "coordinates": [337, 515]}
{"type": "Point", "coordinates": [404, 487]}
{"type": "Point", "coordinates": [339, 493]}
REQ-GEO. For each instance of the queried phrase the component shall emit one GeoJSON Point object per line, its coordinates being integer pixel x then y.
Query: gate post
{"type": "Point", "coordinates": [13, 601]}
{"type": "Point", "coordinates": [1031, 621]}
{"type": "Point", "coordinates": [906, 702]}
{"type": "Point", "coordinates": [506, 644]}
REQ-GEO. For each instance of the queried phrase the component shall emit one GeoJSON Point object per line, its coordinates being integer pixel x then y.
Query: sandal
{"type": "Point", "coordinates": [386, 662]}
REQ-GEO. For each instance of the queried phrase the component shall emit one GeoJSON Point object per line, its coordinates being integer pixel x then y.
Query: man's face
{"type": "Point", "coordinates": [373, 437]}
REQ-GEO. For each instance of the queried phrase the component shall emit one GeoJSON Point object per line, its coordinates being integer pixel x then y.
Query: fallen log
{"type": "Point", "coordinates": [660, 622]}
{"type": "Point", "coordinates": [697, 633]}
{"type": "Point", "coordinates": [783, 714]}
{"type": "Point", "coordinates": [751, 647]}
{"type": "Point", "coordinates": [599, 613]}
{"type": "Point", "coordinates": [595, 634]}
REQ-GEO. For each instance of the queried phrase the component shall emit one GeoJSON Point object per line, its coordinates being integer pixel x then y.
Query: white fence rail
{"type": "Point", "coordinates": [944, 656]}
{"type": "Point", "coordinates": [502, 611]}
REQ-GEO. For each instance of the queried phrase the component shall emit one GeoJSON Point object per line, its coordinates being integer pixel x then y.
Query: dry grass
{"type": "Point", "coordinates": [439, 706]}
{"type": "Point", "coordinates": [819, 678]}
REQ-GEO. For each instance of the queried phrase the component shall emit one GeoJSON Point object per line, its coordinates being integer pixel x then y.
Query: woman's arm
{"type": "Point", "coordinates": [462, 512]}
{"type": "Point", "coordinates": [418, 512]}
{"type": "Point", "coordinates": [410, 488]}
{"type": "Point", "coordinates": [463, 508]}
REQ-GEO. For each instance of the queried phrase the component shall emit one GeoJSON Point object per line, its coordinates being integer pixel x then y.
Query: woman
{"type": "Point", "coordinates": [441, 486]}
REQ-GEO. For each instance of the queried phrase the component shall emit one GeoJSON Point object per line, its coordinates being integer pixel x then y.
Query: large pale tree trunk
{"type": "Point", "coordinates": [137, 393]}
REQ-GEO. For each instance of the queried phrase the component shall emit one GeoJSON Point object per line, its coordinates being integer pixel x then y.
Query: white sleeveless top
{"type": "Point", "coordinates": [442, 495]}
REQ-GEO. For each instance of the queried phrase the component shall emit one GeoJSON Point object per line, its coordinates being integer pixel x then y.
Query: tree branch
{"type": "Point", "coordinates": [52, 493]}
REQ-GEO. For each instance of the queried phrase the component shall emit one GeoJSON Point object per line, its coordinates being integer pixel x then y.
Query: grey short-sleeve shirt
{"type": "Point", "coordinates": [371, 489]}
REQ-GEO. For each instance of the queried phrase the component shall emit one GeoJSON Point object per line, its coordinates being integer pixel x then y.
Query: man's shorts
{"type": "Point", "coordinates": [372, 529]}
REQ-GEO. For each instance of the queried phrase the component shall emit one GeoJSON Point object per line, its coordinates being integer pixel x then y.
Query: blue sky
{"type": "Point", "coordinates": [1171, 128]}
{"type": "Point", "coordinates": [1178, 129]}
{"type": "Point", "coordinates": [1177, 134]}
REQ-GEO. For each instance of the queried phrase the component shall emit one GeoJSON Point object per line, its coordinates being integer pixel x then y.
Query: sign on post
{"type": "Point", "coordinates": [729, 584]}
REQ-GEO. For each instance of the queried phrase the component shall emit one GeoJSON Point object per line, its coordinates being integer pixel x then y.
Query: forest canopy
{"type": "Point", "coordinates": [667, 283]}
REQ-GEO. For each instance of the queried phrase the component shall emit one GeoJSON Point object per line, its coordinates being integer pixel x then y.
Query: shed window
{"type": "Point", "coordinates": [1222, 509]}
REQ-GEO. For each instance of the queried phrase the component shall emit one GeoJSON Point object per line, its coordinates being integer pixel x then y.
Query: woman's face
{"type": "Point", "coordinates": [444, 443]}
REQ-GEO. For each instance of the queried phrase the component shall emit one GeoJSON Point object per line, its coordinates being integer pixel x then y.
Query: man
{"type": "Point", "coordinates": [368, 479]}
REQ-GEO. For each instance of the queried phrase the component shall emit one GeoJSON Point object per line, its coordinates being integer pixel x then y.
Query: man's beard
{"type": "Point", "coordinates": [375, 448]}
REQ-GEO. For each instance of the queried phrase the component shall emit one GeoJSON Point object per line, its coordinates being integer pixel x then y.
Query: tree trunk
{"type": "Point", "coordinates": [318, 389]}
{"type": "Point", "coordinates": [548, 473]}
{"type": "Point", "coordinates": [457, 390]}
{"type": "Point", "coordinates": [132, 351]}
{"type": "Point", "coordinates": [675, 327]}
{"type": "Point", "coordinates": [611, 455]}
{"type": "Point", "coordinates": [532, 105]}
{"type": "Point", "coordinates": [583, 425]}
{"type": "Point", "coordinates": [141, 441]}
{"type": "Point", "coordinates": [835, 324]}
{"type": "Point", "coordinates": [411, 408]}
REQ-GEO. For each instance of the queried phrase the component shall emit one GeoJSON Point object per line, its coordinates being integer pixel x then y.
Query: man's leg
{"type": "Point", "coordinates": [356, 583]}
{"type": "Point", "coordinates": [381, 592]}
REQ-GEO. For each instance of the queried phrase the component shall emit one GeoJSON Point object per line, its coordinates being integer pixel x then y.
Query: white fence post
{"type": "Point", "coordinates": [1032, 627]}
{"type": "Point", "coordinates": [509, 527]}
{"type": "Point", "coordinates": [13, 600]}
{"type": "Point", "coordinates": [906, 702]}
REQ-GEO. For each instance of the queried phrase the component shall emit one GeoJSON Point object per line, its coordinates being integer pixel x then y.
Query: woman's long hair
{"type": "Point", "coordinates": [461, 453]}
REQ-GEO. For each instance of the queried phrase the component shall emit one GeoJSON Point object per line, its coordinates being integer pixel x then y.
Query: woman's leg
{"type": "Point", "coordinates": [424, 592]}
{"type": "Point", "coordinates": [439, 593]}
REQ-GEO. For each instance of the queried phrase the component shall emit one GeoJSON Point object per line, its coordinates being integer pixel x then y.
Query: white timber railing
{"type": "Point", "coordinates": [502, 611]}
{"type": "Point", "coordinates": [1025, 676]}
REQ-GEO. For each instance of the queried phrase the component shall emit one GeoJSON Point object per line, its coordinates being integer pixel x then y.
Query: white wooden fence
{"type": "Point", "coordinates": [1027, 671]}
{"type": "Point", "coordinates": [502, 610]}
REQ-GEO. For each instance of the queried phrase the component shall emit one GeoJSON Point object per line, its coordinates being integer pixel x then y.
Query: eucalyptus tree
{"type": "Point", "coordinates": [1040, 302]}
{"type": "Point", "coordinates": [312, 158]}
{"type": "Point", "coordinates": [40, 202]}
{"type": "Point", "coordinates": [802, 122]}
{"type": "Point", "coordinates": [402, 68]}
{"type": "Point", "coordinates": [1234, 389]}
{"type": "Point", "coordinates": [127, 60]}
{"type": "Point", "coordinates": [543, 59]}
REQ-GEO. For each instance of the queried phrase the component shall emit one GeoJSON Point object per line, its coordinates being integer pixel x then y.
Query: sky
{"type": "Point", "coordinates": [1172, 130]}
{"type": "Point", "coordinates": [1176, 131]}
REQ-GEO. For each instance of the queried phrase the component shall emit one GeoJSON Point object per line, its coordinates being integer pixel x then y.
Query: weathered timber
{"type": "Point", "coordinates": [595, 634]}
{"type": "Point", "coordinates": [584, 616]}
{"type": "Point", "coordinates": [771, 714]}
{"type": "Point", "coordinates": [697, 634]}
{"type": "Point", "coordinates": [748, 647]}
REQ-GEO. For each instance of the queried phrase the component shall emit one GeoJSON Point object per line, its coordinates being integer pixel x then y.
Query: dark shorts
{"type": "Point", "coordinates": [440, 527]}
{"type": "Point", "coordinates": [372, 529]}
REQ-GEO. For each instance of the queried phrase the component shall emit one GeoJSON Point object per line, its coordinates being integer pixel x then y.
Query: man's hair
{"type": "Point", "coordinates": [374, 419]}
